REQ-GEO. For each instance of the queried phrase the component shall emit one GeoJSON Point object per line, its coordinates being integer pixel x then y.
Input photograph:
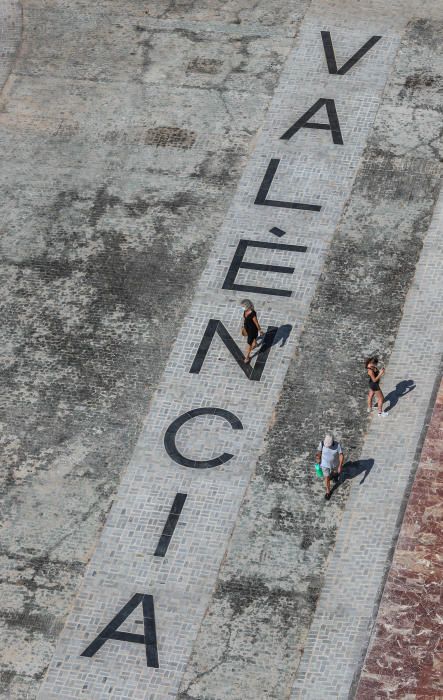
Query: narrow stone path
{"type": "Point", "coordinates": [10, 36]}
{"type": "Point", "coordinates": [403, 658]}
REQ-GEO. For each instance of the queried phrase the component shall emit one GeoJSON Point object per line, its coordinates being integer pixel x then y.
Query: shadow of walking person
{"type": "Point", "coordinates": [402, 388]}
{"type": "Point", "coordinates": [274, 337]}
{"type": "Point", "coordinates": [353, 469]}
{"type": "Point", "coordinates": [282, 334]}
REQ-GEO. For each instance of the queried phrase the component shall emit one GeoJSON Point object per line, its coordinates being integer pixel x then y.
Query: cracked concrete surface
{"type": "Point", "coordinates": [123, 129]}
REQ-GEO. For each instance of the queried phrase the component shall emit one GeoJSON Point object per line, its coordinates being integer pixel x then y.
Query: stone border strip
{"type": "Point", "coordinates": [403, 656]}
{"type": "Point", "coordinates": [10, 36]}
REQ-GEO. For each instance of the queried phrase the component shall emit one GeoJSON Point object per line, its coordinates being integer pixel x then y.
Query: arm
{"type": "Point", "coordinates": [255, 319]}
{"type": "Point", "coordinates": [373, 376]}
{"type": "Point", "coordinates": [341, 458]}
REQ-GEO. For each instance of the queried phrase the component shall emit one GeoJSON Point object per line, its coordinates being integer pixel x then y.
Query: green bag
{"type": "Point", "coordinates": [319, 471]}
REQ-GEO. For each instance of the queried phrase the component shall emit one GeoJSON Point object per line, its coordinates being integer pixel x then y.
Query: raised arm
{"type": "Point", "coordinates": [375, 377]}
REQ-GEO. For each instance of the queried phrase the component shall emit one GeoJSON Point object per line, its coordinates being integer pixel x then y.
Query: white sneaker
{"type": "Point", "coordinates": [369, 410]}
{"type": "Point", "coordinates": [383, 414]}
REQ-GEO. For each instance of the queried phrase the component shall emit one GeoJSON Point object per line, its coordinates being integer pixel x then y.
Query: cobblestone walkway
{"type": "Point", "coordinates": [403, 659]}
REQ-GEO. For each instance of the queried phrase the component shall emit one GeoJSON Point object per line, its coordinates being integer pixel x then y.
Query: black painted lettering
{"type": "Point", "coordinates": [237, 263]}
{"type": "Point", "coordinates": [215, 326]}
{"type": "Point", "coordinates": [265, 186]}
{"type": "Point", "coordinates": [171, 433]}
{"type": "Point", "coordinates": [148, 638]}
{"type": "Point", "coordinates": [277, 231]}
{"type": "Point", "coordinates": [333, 124]}
{"type": "Point", "coordinates": [168, 530]}
{"type": "Point", "coordinates": [330, 55]}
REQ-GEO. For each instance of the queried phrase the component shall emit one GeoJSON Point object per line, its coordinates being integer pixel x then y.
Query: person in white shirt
{"type": "Point", "coordinates": [330, 457]}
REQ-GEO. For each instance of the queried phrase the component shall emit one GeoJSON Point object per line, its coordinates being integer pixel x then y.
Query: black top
{"type": "Point", "coordinates": [250, 326]}
{"type": "Point", "coordinates": [376, 372]}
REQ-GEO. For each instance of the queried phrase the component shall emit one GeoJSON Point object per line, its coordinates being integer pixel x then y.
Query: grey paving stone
{"type": "Point", "coordinates": [10, 32]}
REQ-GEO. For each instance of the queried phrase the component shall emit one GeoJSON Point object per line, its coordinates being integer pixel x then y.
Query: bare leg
{"type": "Point", "coordinates": [328, 485]}
{"type": "Point", "coordinates": [370, 397]}
{"type": "Point", "coordinates": [249, 349]}
{"type": "Point", "coordinates": [380, 400]}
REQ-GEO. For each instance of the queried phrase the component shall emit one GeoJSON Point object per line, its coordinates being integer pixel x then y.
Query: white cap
{"type": "Point", "coordinates": [328, 441]}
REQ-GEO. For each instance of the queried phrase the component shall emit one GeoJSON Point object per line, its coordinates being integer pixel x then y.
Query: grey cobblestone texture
{"type": "Point", "coordinates": [255, 631]}
{"type": "Point", "coordinates": [10, 35]}
{"type": "Point", "coordinates": [104, 234]}
{"type": "Point", "coordinates": [183, 582]}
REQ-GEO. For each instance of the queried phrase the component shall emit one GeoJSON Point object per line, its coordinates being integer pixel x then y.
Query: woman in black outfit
{"type": "Point", "coordinates": [251, 327]}
{"type": "Point", "coordinates": [375, 375]}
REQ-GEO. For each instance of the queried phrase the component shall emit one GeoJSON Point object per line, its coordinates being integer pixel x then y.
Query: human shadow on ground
{"type": "Point", "coordinates": [273, 337]}
{"type": "Point", "coordinates": [351, 470]}
{"type": "Point", "coordinates": [402, 388]}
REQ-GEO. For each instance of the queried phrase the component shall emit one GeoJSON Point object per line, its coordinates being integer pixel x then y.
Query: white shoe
{"type": "Point", "coordinates": [369, 410]}
{"type": "Point", "coordinates": [383, 414]}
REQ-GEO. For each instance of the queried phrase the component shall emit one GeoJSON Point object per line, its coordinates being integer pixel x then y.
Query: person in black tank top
{"type": "Point", "coordinates": [251, 327]}
{"type": "Point", "coordinates": [375, 375]}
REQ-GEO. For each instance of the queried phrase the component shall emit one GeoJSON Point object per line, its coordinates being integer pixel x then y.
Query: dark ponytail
{"type": "Point", "coordinates": [369, 360]}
